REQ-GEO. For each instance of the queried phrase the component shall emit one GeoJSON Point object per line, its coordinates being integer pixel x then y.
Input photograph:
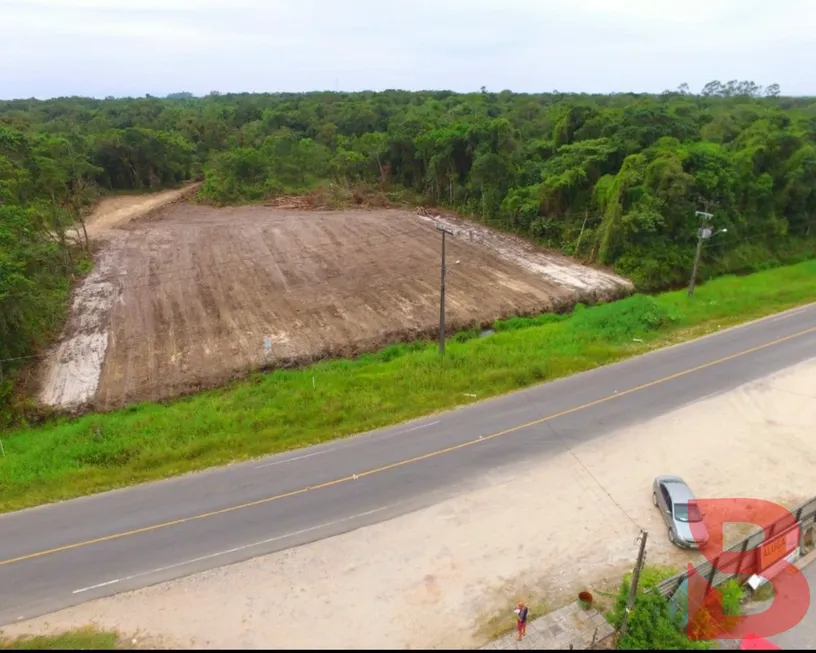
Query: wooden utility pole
{"type": "Point", "coordinates": [445, 231]}
{"type": "Point", "coordinates": [630, 602]}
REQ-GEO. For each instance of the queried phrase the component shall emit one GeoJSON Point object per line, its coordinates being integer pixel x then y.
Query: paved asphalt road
{"type": "Point", "coordinates": [58, 555]}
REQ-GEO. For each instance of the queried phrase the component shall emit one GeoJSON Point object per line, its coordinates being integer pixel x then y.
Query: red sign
{"type": "Point", "coordinates": [778, 548]}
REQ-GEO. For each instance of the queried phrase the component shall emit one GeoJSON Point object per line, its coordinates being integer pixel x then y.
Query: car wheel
{"type": "Point", "coordinates": [654, 499]}
{"type": "Point", "coordinates": [671, 537]}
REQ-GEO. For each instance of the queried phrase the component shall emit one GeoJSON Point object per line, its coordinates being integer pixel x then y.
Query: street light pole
{"type": "Point", "coordinates": [703, 233]}
{"type": "Point", "coordinates": [445, 231]}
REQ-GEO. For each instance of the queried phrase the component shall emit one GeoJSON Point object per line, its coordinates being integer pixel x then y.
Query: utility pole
{"type": "Point", "coordinates": [445, 231]}
{"type": "Point", "coordinates": [630, 602]}
{"type": "Point", "coordinates": [703, 233]}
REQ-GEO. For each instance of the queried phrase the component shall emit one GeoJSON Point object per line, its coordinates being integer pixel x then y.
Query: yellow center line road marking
{"type": "Point", "coordinates": [432, 454]}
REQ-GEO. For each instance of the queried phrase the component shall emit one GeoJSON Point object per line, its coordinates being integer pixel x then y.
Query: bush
{"type": "Point", "coordinates": [650, 626]}
{"type": "Point", "coordinates": [633, 317]}
{"type": "Point", "coordinates": [732, 595]}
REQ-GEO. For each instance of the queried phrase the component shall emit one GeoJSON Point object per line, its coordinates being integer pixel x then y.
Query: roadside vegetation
{"type": "Point", "coordinates": [285, 409]}
{"type": "Point", "coordinates": [613, 180]}
{"type": "Point", "coordinates": [653, 627]}
{"type": "Point", "coordinates": [83, 639]}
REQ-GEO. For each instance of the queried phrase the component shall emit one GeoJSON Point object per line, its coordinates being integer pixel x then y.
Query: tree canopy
{"type": "Point", "coordinates": [612, 179]}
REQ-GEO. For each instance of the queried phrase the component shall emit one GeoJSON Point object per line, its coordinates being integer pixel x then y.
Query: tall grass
{"type": "Point", "coordinates": [287, 409]}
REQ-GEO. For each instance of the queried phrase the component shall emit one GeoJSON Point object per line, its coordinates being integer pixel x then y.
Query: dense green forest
{"type": "Point", "coordinates": [612, 179]}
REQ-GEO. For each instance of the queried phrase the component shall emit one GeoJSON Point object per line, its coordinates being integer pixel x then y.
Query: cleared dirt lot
{"type": "Point", "coordinates": [189, 297]}
{"type": "Point", "coordinates": [70, 374]}
{"type": "Point", "coordinates": [429, 578]}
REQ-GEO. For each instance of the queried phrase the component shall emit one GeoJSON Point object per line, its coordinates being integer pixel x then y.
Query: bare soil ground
{"type": "Point", "coordinates": [117, 211]}
{"type": "Point", "coordinates": [70, 373]}
{"type": "Point", "coordinates": [186, 297]}
{"type": "Point", "coordinates": [433, 577]}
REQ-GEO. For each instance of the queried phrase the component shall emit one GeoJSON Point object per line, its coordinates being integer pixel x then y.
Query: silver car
{"type": "Point", "coordinates": [679, 510]}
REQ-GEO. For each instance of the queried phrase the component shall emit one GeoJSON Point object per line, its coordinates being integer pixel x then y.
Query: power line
{"type": "Point", "coordinates": [176, 273]}
{"type": "Point", "coordinates": [445, 231]}
{"type": "Point", "coordinates": [20, 358]}
{"type": "Point", "coordinates": [591, 475]}
{"type": "Point", "coordinates": [329, 279]}
{"type": "Point", "coordinates": [386, 283]}
{"type": "Point", "coordinates": [370, 241]}
{"type": "Point", "coordinates": [173, 275]}
{"type": "Point", "coordinates": [770, 234]}
{"type": "Point", "coordinates": [332, 281]}
{"type": "Point", "coordinates": [265, 323]}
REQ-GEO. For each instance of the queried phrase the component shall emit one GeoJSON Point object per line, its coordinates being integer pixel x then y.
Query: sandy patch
{"type": "Point", "coordinates": [72, 369]}
{"type": "Point", "coordinates": [547, 528]}
{"type": "Point", "coordinates": [115, 212]}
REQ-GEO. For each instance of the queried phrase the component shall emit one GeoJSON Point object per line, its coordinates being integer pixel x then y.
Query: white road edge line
{"type": "Point", "coordinates": [792, 313]}
{"type": "Point", "coordinates": [93, 587]}
{"type": "Point", "coordinates": [421, 426]}
{"type": "Point", "coordinates": [290, 460]}
{"type": "Point", "coordinates": [228, 551]}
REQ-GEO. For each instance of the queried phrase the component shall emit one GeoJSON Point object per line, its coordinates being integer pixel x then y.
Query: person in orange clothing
{"type": "Point", "coordinates": [521, 620]}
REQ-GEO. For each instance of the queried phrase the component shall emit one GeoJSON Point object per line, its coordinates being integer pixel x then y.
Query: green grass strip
{"type": "Point", "coordinates": [279, 411]}
{"type": "Point", "coordinates": [75, 640]}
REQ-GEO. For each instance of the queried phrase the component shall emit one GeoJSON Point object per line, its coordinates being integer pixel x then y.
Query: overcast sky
{"type": "Point", "coordinates": [131, 48]}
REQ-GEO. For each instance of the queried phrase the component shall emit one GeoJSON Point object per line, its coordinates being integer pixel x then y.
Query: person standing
{"type": "Point", "coordinates": [521, 620]}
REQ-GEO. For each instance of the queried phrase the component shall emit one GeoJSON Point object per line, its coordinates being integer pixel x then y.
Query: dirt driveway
{"type": "Point", "coordinates": [426, 579]}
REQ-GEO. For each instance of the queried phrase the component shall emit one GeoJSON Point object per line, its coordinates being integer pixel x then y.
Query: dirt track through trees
{"type": "Point", "coordinates": [202, 295]}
